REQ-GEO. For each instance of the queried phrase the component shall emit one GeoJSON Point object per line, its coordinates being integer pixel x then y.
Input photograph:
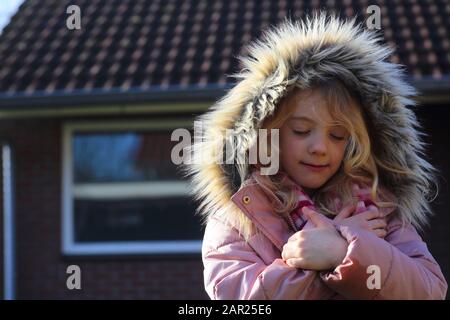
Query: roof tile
{"type": "Point", "coordinates": [145, 43]}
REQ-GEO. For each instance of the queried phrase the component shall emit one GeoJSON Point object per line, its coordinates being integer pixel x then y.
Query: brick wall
{"type": "Point", "coordinates": [41, 269]}
{"type": "Point", "coordinates": [435, 120]}
{"type": "Point", "coordinates": [1, 231]}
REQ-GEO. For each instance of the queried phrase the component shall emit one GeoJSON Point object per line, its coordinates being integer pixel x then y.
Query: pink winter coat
{"type": "Point", "coordinates": [236, 269]}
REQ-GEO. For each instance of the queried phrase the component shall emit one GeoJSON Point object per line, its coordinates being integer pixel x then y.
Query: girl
{"type": "Point", "coordinates": [339, 219]}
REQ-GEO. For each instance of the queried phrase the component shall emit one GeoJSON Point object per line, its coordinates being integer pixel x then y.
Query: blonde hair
{"type": "Point", "coordinates": [360, 164]}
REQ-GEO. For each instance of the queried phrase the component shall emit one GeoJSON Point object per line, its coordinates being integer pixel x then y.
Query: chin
{"type": "Point", "coordinates": [312, 184]}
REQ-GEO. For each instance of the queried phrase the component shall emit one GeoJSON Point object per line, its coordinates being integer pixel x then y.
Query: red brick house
{"type": "Point", "coordinates": [86, 117]}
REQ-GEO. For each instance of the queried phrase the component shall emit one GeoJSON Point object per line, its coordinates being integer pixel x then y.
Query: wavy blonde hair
{"type": "Point", "coordinates": [360, 165]}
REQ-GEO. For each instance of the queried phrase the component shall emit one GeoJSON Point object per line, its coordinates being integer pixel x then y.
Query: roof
{"type": "Point", "coordinates": [142, 49]}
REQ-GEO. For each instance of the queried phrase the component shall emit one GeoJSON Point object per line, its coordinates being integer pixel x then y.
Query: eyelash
{"type": "Point", "coordinates": [302, 133]}
{"type": "Point", "coordinates": [338, 138]}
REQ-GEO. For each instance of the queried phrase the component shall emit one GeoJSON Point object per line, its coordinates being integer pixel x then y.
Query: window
{"type": "Point", "coordinates": [121, 192]}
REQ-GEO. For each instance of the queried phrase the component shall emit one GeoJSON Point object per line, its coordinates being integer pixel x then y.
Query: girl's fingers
{"type": "Point", "coordinates": [283, 253]}
{"type": "Point", "coordinates": [381, 233]}
{"type": "Point", "coordinates": [318, 219]}
{"type": "Point", "coordinates": [345, 212]}
{"type": "Point", "coordinates": [295, 236]}
{"type": "Point", "coordinates": [295, 262]}
{"type": "Point", "coordinates": [377, 223]}
{"type": "Point", "coordinates": [286, 253]}
{"type": "Point", "coordinates": [371, 214]}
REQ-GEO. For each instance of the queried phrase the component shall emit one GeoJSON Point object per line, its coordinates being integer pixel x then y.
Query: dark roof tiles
{"type": "Point", "coordinates": [143, 43]}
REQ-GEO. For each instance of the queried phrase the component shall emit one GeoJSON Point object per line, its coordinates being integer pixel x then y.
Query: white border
{"type": "Point", "coordinates": [69, 246]}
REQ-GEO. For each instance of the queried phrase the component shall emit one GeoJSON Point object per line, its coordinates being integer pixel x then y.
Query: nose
{"type": "Point", "coordinates": [317, 145]}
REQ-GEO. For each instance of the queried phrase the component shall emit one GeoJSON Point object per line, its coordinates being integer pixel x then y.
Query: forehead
{"type": "Point", "coordinates": [310, 104]}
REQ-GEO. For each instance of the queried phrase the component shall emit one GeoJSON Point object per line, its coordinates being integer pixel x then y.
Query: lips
{"type": "Point", "coordinates": [314, 167]}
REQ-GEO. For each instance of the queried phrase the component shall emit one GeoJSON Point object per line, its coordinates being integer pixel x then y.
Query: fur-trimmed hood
{"type": "Point", "coordinates": [299, 53]}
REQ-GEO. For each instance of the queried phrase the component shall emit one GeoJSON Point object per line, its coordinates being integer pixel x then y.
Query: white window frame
{"type": "Point", "coordinates": [69, 246]}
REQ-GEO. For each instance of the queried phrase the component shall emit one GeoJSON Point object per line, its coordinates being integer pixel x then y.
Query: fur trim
{"type": "Point", "coordinates": [296, 53]}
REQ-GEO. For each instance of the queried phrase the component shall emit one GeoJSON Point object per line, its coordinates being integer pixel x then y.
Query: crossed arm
{"type": "Point", "coordinates": [407, 269]}
{"type": "Point", "coordinates": [353, 247]}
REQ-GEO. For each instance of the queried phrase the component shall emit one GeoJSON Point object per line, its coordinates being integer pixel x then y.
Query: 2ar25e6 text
{"type": "Point", "coordinates": [246, 309]}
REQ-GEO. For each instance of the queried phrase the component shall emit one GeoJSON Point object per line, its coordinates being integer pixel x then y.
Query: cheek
{"type": "Point", "coordinates": [285, 140]}
{"type": "Point", "coordinates": [285, 154]}
{"type": "Point", "coordinates": [289, 150]}
{"type": "Point", "coordinates": [290, 146]}
{"type": "Point", "coordinates": [338, 154]}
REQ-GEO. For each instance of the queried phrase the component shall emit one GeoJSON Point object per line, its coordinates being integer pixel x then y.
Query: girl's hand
{"type": "Point", "coordinates": [370, 219]}
{"type": "Point", "coordinates": [320, 248]}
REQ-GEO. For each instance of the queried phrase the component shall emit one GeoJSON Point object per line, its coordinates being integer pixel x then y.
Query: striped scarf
{"type": "Point", "coordinates": [299, 220]}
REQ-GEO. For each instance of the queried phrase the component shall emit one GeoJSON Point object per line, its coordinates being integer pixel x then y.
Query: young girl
{"type": "Point", "coordinates": [338, 220]}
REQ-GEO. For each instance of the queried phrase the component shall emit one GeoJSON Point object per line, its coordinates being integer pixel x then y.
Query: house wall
{"type": "Point", "coordinates": [435, 120]}
{"type": "Point", "coordinates": [41, 268]}
{"type": "Point", "coordinates": [1, 234]}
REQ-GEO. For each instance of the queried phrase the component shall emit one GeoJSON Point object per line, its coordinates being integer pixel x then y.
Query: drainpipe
{"type": "Point", "coordinates": [8, 223]}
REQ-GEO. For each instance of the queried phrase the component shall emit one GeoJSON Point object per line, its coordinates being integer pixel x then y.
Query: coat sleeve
{"type": "Point", "coordinates": [405, 267]}
{"type": "Point", "coordinates": [234, 271]}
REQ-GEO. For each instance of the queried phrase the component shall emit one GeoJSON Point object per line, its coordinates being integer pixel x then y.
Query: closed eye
{"type": "Point", "coordinates": [301, 133]}
{"type": "Point", "coordinates": [337, 137]}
